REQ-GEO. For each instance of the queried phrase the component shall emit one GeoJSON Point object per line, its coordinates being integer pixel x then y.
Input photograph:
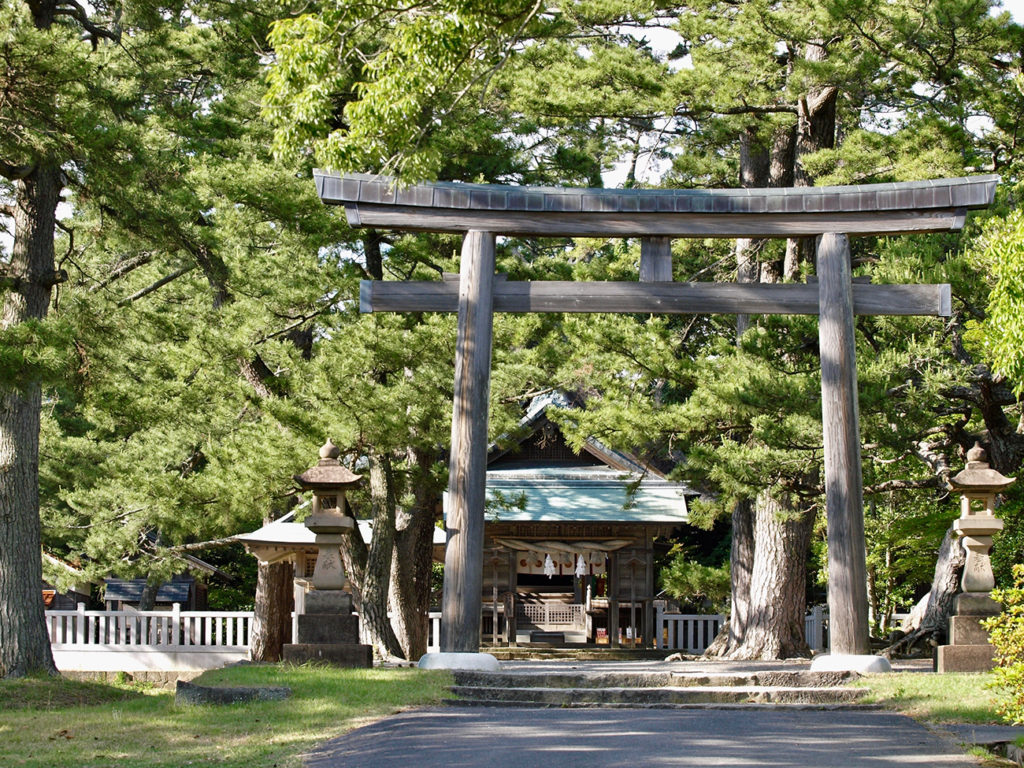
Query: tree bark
{"type": "Point", "coordinates": [815, 130]}
{"type": "Point", "coordinates": [147, 599]}
{"type": "Point", "coordinates": [24, 643]}
{"type": "Point", "coordinates": [272, 611]}
{"type": "Point", "coordinates": [775, 617]}
{"type": "Point", "coordinates": [741, 561]}
{"type": "Point", "coordinates": [945, 586]}
{"type": "Point", "coordinates": [413, 555]}
{"type": "Point", "coordinates": [374, 625]}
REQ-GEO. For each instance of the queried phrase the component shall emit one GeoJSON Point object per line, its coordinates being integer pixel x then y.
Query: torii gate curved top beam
{"type": "Point", "coordinates": [913, 206]}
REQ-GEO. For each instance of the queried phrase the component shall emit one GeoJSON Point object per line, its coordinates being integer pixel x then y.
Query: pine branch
{"type": "Point", "coordinates": [78, 13]}
{"type": "Point", "coordinates": [200, 545]}
{"type": "Point", "coordinates": [903, 485]}
{"type": "Point", "coordinates": [15, 172]}
{"type": "Point", "coordinates": [122, 269]}
{"type": "Point", "coordinates": [156, 286]}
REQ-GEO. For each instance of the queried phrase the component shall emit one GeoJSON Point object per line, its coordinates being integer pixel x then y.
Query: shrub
{"type": "Point", "coordinates": [697, 586]}
{"type": "Point", "coordinates": [1006, 632]}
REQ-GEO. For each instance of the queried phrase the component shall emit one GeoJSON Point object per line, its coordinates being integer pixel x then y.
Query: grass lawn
{"type": "Point", "coordinates": [948, 698]}
{"type": "Point", "coordinates": [67, 724]}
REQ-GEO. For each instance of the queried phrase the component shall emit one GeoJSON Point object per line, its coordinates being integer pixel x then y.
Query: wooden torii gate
{"type": "Point", "coordinates": [482, 211]}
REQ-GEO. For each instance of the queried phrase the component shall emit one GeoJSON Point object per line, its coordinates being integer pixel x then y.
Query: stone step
{"type": "Point", "coordinates": [569, 653]}
{"type": "Point", "coordinates": [658, 696]}
{"type": "Point", "coordinates": [652, 679]}
{"type": "Point", "coordinates": [612, 705]}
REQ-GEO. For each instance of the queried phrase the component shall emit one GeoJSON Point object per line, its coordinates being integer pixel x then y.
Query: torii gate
{"type": "Point", "coordinates": [482, 211]}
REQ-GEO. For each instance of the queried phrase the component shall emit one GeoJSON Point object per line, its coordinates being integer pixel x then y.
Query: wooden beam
{"type": "Point", "coordinates": [461, 599]}
{"type": "Point", "coordinates": [909, 206]}
{"type": "Point", "coordinates": [586, 224]}
{"type": "Point", "coordinates": [656, 260]}
{"type": "Point", "coordinates": [844, 502]}
{"type": "Point", "coordinates": [659, 298]}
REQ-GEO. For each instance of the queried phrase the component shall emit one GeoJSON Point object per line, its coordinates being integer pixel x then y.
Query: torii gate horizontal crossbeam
{"type": "Point", "coordinates": [659, 298]}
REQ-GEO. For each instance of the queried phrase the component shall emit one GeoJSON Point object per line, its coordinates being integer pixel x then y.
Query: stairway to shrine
{"type": "Point", "coordinates": [649, 688]}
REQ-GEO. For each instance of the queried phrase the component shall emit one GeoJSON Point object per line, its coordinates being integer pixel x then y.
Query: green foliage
{"type": "Point", "coordinates": [1006, 633]}
{"type": "Point", "coordinates": [498, 503]}
{"type": "Point", "coordinates": [366, 87]}
{"type": "Point", "coordinates": [1003, 328]}
{"type": "Point", "coordinates": [697, 587]}
{"type": "Point", "coordinates": [200, 252]}
{"type": "Point", "coordinates": [237, 594]}
{"type": "Point", "coordinates": [37, 352]}
{"type": "Point", "coordinates": [1008, 544]}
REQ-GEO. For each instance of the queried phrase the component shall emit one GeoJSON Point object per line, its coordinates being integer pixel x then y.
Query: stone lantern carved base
{"type": "Point", "coordinates": [969, 649]}
{"type": "Point", "coordinates": [327, 631]}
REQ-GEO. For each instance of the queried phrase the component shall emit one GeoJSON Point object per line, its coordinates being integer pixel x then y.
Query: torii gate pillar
{"type": "Point", "coordinates": [844, 497]}
{"type": "Point", "coordinates": [461, 599]}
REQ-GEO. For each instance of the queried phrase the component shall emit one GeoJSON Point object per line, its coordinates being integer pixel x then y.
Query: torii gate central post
{"type": "Point", "coordinates": [482, 211]}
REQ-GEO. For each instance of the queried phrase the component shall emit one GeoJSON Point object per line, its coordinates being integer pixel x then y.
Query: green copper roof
{"type": "Point", "coordinates": [583, 494]}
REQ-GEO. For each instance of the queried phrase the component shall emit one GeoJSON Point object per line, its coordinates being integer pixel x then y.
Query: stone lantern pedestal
{"type": "Point", "coordinates": [969, 649]}
{"type": "Point", "coordinates": [327, 630]}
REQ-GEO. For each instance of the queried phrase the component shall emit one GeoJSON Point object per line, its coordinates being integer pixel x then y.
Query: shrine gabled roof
{"type": "Point", "coordinates": [583, 494]}
{"type": "Point", "coordinates": [286, 532]}
{"type": "Point", "coordinates": [452, 206]}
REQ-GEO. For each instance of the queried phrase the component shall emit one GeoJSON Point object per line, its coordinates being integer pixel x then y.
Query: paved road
{"type": "Point", "coordinates": [603, 738]}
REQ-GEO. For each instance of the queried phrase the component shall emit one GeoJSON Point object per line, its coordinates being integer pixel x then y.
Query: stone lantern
{"type": "Point", "coordinates": [329, 520]}
{"type": "Point", "coordinates": [326, 629]}
{"type": "Point", "coordinates": [978, 484]}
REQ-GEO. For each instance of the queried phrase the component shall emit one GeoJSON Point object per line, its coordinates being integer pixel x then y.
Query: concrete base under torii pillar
{"type": "Point", "coordinates": [477, 662]}
{"type": "Point", "coordinates": [862, 664]}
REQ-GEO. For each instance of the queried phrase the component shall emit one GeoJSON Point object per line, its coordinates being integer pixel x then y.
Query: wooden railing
{"type": "Point", "coordinates": [571, 614]}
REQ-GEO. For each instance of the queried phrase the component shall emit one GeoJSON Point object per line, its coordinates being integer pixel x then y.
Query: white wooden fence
{"type": "Point", "coordinates": [131, 641]}
{"type": "Point", "coordinates": [434, 632]}
{"type": "Point", "coordinates": [693, 633]}
{"type": "Point", "coordinates": [187, 640]}
{"type": "Point", "coordinates": [688, 632]}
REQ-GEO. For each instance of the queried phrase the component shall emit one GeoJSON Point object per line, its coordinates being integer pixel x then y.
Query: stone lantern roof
{"type": "Point", "coordinates": [329, 474]}
{"type": "Point", "coordinates": [978, 476]}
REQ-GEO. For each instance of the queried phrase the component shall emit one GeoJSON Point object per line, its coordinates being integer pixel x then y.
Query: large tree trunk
{"type": "Point", "coordinates": [754, 170]}
{"type": "Point", "coordinates": [413, 554]}
{"type": "Point", "coordinates": [945, 586]}
{"type": "Point", "coordinates": [374, 625]}
{"type": "Point", "coordinates": [775, 617]}
{"type": "Point", "coordinates": [769, 544]}
{"type": "Point", "coordinates": [815, 130]}
{"type": "Point", "coordinates": [741, 561]}
{"type": "Point", "coordinates": [24, 644]}
{"type": "Point", "coordinates": [147, 599]}
{"type": "Point", "coordinates": [275, 598]}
